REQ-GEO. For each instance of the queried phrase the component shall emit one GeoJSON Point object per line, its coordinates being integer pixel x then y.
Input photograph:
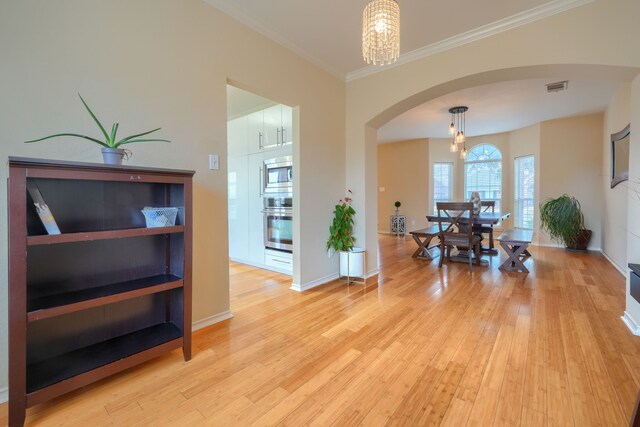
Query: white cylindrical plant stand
{"type": "Point", "coordinates": [353, 264]}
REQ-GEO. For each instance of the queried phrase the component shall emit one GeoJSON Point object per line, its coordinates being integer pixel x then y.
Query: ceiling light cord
{"type": "Point", "coordinates": [459, 117]}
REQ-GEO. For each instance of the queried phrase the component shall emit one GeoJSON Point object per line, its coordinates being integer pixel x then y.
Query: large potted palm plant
{"type": "Point", "coordinates": [563, 220]}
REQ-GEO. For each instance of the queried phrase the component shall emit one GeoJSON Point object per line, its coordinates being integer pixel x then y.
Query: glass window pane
{"type": "Point", "coordinates": [483, 152]}
{"type": "Point", "coordinates": [483, 173]}
{"type": "Point", "coordinates": [524, 188]}
{"type": "Point", "coordinates": [442, 183]}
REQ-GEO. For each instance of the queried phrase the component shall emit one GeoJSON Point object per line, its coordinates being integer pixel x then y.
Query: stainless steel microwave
{"type": "Point", "coordinates": [278, 175]}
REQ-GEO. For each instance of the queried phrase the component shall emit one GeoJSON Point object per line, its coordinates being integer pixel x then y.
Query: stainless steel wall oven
{"type": "Point", "coordinates": [278, 223]}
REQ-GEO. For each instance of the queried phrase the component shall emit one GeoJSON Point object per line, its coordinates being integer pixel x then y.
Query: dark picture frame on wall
{"type": "Point", "coordinates": [620, 156]}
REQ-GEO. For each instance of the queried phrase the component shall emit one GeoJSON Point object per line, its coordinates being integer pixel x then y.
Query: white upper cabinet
{"type": "Point", "coordinates": [237, 137]}
{"type": "Point", "coordinates": [255, 126]}
{"type": "Point", "coordinates": [269, 128]}
{"type": "Point", "coordinates": [272, 126]}
{"type": "Point", "coordinates": [286, 137]}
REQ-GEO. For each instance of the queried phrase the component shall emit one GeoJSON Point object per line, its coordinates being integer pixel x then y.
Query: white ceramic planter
{"type": "Point", "coordinates": [352, 263]}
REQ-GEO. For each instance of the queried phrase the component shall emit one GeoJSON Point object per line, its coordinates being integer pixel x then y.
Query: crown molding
{"type": "Point", "coordinates": [229, 9]}
{"type": "Point", "coordinates": [505, 24]}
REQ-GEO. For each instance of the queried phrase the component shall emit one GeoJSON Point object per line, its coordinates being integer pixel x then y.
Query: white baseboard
{"type": "Point", "coordinates": [560, 246]}
{"type": "Point", "coordinates": [387, 232]}
{"type": "Point", "coordinates": [548, 245]}
{"type": "Point", "coordinates": [314, 283]}
{"type": "Point", "coordinates": [372, 273]}
{"type": "Point", "coordinates": [262, 266]}
{"type": "Point", "coordinates": [617, 267]}
{"type": "Point", "coordinates": [631, 324]}
{"type": "Point", "coordinates": [211, 320]}
{"type": "Point", "coordinates": [324, 280]}
{"type": "Point", "coordinates": [4, 395]}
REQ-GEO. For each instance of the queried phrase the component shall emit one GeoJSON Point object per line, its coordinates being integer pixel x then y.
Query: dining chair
{"type": "Point", "coordinates": [479, 229]}
{"type": "Point", "coordinates": [455, 226]}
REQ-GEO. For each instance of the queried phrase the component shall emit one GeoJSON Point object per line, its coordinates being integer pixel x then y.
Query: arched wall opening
{"type": "Point", "coordinates": [367, 235]}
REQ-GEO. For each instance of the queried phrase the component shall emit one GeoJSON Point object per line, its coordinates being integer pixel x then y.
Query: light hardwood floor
{"type": "Point", "coordinates": [422, 346]}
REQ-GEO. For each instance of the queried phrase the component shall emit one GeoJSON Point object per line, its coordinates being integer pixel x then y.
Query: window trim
{"type": "Point", "coordinates": [451, 183]}
{"type": "Point", "coordinates": [515, 191]}
{"type": "Point", "coordinates": [472, 162]}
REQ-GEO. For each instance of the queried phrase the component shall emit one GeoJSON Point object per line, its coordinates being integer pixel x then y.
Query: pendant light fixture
{"type": "Point", "coordinates": [456, 129]}
{"type": "Point", "coordinates": [381, 32]}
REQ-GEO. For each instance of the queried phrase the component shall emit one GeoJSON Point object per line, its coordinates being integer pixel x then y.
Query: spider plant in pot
{"type": "Point", "coordinates": [112, 153]}
{"type": "Point", "coordinates": [341, 239]}
{"type": "Point", "coordinates": [563, 220]}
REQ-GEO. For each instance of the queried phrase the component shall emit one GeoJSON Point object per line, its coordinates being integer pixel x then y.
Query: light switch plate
{"type": "Point", "coordinates": [214, 162]}
{"type": "Point", "coordinates": [382, 189]}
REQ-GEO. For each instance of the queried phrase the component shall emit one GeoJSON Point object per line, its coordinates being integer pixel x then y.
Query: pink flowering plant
{"type": "Point", "coordinates": [341, 229]}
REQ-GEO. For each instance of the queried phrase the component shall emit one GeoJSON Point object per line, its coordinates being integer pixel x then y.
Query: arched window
{"type": "Point", "coordinates": [483, 173]}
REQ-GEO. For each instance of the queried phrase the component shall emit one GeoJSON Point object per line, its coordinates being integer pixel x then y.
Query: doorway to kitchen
{"type": "Point", "coordinates": [260, 183]}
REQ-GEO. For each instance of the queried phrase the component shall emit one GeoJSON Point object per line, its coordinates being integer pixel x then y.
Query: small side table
{"type": "Point", "coordinates": [397, 223]}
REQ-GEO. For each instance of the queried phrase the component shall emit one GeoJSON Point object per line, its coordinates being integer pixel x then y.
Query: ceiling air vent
{"type": "Point", "coordinates": [557, 87]}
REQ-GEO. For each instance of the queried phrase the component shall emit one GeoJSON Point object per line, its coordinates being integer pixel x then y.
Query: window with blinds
{"type": "Point", "coordinates": [483, 173]}
{"type": "Point", "coordinates": [524, 180]}
{"type": "Point", "coordinates": [442, 183]}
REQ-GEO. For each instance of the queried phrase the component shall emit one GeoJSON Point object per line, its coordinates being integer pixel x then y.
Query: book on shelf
{"type": "Point", "coordinates": [42, 208]}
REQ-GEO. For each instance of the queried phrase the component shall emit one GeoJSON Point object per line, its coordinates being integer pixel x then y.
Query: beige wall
{"type": "Point", "coordinates": [404, 174]}
{"type": "Point", "coordinates": [615, 200]}
{"type": "Point", "coordinates": [571, 163]}
{"type": "Point", "coordinates": [165, 63]}
{"type": "Point", "coordinates": [439, 153]}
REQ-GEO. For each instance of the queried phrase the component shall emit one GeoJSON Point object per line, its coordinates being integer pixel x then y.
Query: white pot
{"type": "Point", "coordinates": [112, 156]}
{"type": "Point", "coordinates": [352, 262]}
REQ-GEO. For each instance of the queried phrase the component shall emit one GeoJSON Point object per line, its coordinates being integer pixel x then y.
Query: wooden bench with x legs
{"type": "Point", "coordinates": [423, 238]}
{"type": "Point", "coordinates": [515, 243]}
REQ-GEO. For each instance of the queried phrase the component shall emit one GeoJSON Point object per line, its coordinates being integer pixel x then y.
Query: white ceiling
{"type": "Point", "coordinates": [240, 102]}
{"type": "Point", "coordinates": [500, 107]}
{"type": "Point", "coordinates": [327, 32]}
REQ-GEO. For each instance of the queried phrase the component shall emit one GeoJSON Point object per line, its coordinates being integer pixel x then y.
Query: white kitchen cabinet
{"type": "Point", "coordinates": [272, 127]}
{"type": "Point", "coordinates": [255, 132]}
{"type": "Point", "coordinates": [237, 131]}
{"type": "Point", "coordinates": [238, 207]}
{"type": "Point", "coordinates": [287, 125]}
{"type": "Point", "coordinates": [255, 223]}
{"type": "Point", "coordinates": [279, 261]}
{"type": "Point", "coordinates": [269, 129]}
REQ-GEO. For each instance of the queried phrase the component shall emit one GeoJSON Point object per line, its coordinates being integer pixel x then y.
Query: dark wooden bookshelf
{"type": "Point", "coordinates": [43, 307]}
{"type": "Point", "coordinates": [100, 235]}
{"type": "Point", "coordinates": [107, 293]}
{"type": "Point", "coordinates": [67, 365]}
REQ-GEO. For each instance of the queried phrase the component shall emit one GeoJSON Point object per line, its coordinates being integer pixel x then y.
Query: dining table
{"type": "Point", "coordinates": [482, 218]}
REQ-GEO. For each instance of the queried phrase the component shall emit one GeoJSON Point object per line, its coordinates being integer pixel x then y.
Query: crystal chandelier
{"type": "Point", "coordinates": [381, 32]}
{"type": "Point", "coordinates": [456, 130]}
